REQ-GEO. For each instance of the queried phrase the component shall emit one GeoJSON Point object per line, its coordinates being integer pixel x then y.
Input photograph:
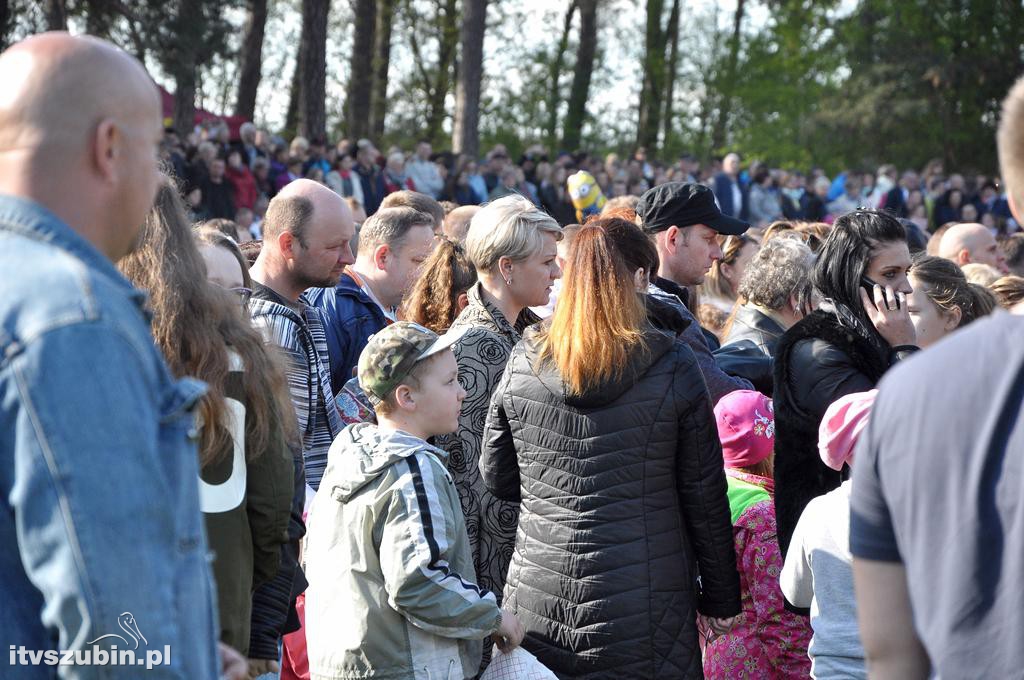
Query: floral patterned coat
{"type": "Point", "coordinates": [482, 354]}
{"type": "Point", "coordinates": [768, 642]}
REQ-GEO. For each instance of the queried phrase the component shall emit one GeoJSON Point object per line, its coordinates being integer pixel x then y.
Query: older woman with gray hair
{"type": "Point", "coordinates": [512, 246]}
{"type": "Point", "coordinates": [774, 294]}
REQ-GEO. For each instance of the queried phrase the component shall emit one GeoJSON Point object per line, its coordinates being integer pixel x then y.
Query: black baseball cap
{"type": "Point", "coordinates": [683, 204]}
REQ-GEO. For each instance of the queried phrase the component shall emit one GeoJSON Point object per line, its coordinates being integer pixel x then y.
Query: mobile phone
{"type": "Point", "coordinates": [869, 286]}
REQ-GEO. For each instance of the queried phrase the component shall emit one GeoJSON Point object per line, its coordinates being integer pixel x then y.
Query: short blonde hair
{"type": "Point", "coordinates": [1010, 140]}
{"type": "Point", "coordinates": [511, 227]}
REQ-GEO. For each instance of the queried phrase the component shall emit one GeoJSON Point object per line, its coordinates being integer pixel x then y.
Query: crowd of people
{"type": "Point", "coordinates": [317, 412]}
{"type": "Point", "coordinates": [236, 178]}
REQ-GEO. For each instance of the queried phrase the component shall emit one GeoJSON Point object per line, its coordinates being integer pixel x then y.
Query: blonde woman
{"type": "Point", "coordinates": [513, 247]}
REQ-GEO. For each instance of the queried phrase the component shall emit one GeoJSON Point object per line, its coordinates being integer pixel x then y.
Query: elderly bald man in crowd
{"type": "Point", "coordinates": [972, 243]}
{"type": "Point", "coordinates": [102, 539]}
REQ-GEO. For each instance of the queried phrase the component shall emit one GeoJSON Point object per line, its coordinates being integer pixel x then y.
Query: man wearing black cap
{"type": "Point", "coordinates": [684, 221]}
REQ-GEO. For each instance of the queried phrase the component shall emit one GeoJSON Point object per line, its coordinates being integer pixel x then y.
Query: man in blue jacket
{"type": "Point", "coordinates": [102, 546]}
{"type": "Point", "coordinates": [393, 243]}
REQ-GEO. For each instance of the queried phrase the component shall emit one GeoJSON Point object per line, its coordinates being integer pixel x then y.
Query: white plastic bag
{"type": "Point", "coordinates": [518, 664]}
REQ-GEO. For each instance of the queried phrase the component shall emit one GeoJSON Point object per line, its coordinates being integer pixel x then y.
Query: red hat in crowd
{"type": "Point", "coordinates": [746, 426]}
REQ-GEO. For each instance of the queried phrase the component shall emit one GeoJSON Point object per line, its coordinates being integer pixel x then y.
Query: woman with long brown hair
{"type": "Point", "coordinates": [441, 291]}
{"type": "Point", "coordinates": [245, 417]}
{"type": "Point", "coordinates": [602, 430]}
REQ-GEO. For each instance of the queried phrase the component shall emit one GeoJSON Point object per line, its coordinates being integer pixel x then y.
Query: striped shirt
{"type": "Point", "coordinates": [298, 330]}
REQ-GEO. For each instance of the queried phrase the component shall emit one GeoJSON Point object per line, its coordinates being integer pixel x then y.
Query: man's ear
{"type": "Point", "coordinates": [963, 257]}
{"type": "Point", "coordinates": [380, 256]}
{"type": "Point", "coordinates": [672, 239]}
{"type": "Point", "coordinates": [462, 301]}
{"type": "Point", "coordinates": [286, 241]}
{"type": "Point", "coordinates": [107, 141]}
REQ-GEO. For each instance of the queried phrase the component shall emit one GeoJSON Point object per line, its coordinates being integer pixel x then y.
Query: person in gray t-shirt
{"type": "Point", "coordinates": [937, 522]}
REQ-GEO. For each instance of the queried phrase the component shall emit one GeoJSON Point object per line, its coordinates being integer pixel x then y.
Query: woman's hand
{"type": "Point", "coordinates": [889, 315]}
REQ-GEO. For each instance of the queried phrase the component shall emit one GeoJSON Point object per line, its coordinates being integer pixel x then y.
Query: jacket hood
{"type": "Point", "coordinates": [657, 343]}
{"type": "Point", "coordinates": [363, 452]}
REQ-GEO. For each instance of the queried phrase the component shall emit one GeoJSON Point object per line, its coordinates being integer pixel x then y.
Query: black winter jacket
{"type": "Point", "coordinates": [817, 361]}
{"type": "Point", "coordinates": [623, 502]}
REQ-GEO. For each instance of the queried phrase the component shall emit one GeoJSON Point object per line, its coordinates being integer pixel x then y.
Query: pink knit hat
{"type": "Point", "coordinates": [844, 420]}
{"type": "Point", "coordinates": [746, 426]}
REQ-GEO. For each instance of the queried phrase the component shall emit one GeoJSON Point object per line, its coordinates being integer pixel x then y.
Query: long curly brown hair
{"type": "Point", "coordinates": [194, 322]}
{"type": "Point", "coordinates": [434, 299]}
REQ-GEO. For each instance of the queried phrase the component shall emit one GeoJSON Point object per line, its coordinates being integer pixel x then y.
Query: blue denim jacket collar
{"type": "Point", "coordinates": [33, 220]}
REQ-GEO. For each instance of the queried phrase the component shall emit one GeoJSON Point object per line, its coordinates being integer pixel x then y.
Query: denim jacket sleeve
{"type": "Point", "coordinates": [103, 499]}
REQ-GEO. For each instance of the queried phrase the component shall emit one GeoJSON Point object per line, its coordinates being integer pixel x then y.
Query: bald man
{"type": "Point", "coordinates": [972, 243]}
{"type": "Point", "coordinates": [306, 237]}
{"type": "Point", "coordinates": [456, 224]}
{"type": "Point", "coordinates": [101, 538]}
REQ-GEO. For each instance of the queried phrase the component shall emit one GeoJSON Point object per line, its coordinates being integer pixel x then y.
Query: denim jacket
{"type": "Point", "coordinates": [100, 533]}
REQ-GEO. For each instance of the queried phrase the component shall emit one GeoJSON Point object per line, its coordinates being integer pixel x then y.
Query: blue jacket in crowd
{"type": "Point", "coordinates": [352, 317]}
{"type": "Point", "coordinates": [100, 532]}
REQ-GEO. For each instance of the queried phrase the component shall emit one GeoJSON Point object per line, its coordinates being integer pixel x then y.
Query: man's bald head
{"type": "Point", "coordinates": [302, 202]}
{"type": "Point", "coordinates": [972, 243]}
{"type": "Point", "coordinates": [456, 223]}
{"type": "Point", "coordinates": [80, 125]}
{"type": "Point", "coordinates": [58, 87]}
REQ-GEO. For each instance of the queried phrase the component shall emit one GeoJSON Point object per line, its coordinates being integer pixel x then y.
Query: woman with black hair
{"type": "Point", "coordinates": [861, 329]}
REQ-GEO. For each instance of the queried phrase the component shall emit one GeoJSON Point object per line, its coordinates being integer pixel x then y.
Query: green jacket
{"type": "Point", "coordinates": [246, 505]}
{"type": "Point", "coordinates": [392, 589]}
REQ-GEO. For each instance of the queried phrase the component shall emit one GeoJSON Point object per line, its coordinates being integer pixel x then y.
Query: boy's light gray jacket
{"type": "Point", "coordinates": [392, 590]}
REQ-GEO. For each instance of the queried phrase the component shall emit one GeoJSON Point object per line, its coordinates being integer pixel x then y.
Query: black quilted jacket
{"type": "Point", "coordinates": [623, 503]}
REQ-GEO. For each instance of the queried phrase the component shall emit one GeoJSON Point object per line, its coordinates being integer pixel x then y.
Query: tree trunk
{"type": "Point", "coordinates": [252, 59]}
{"type": "Point", "coordinates": [313, 92]}
{"type": "Point", "coordinates": [466, 130]}
{"type": "Point", "coordinates": [725, 104]}
{"type": "Point", "coordinates": [555, 73]}
{"type": "Point", "coordinates": [654, 76]}
{"type": "Point", "coordinates": [360, 81]}
{"type": "Point", "coordinates": [291, 118]}
{"type": "Point", "coordinates": [185, 101]}
{"type": "Point", "coordinates": [381, 65]}
{"type": "Point", "coordinates": [448, 29]}
{"type": "Point", "coordinates": [671, 70]}
{"type": "Point", "coordinates": [580, 90]}
{"type": "Point", "coordinates": [56, 15]}
{"type": "Point", "coordinates": [97, 19]}
{"type": "Point", "coordinates": [5, 23]}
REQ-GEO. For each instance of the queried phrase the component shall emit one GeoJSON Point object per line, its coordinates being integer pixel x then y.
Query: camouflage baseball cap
{"type": "Point", "coordinates": [393, 352]}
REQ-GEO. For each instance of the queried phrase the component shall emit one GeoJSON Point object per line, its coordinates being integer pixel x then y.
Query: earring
{"type": "Point", "coordinates": [508, 281]}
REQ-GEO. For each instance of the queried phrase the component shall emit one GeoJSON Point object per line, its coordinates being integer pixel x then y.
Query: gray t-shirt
{"type": "Point", "coordinates": [938, 478]}
{"type": "Point", "coordinates": [818, 574]}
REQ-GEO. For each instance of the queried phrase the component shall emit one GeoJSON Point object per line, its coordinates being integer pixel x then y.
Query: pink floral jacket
{"type": "Point", "coordinates": [768, 642]}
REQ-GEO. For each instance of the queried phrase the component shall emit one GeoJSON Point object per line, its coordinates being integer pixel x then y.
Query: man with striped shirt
{"type": "Point", "coordinates": [306, 244]}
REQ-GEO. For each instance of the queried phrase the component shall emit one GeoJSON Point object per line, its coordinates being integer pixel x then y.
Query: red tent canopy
{"type": "Point", "coordinates": [202, 116]}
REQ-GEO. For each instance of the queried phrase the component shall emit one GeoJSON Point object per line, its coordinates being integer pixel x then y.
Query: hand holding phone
{"type": "Point", "coordinates": [887, 311]}
{"type": "Point", "coordinates": [889, 296]}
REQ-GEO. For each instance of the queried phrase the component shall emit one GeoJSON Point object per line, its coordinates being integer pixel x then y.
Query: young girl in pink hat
{"type": "Point", "coordinates": [768, 642]}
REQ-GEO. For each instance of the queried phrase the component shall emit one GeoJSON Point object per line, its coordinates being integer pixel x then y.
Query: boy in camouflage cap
{"type": "Point", "coordinates": [391, 582]}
